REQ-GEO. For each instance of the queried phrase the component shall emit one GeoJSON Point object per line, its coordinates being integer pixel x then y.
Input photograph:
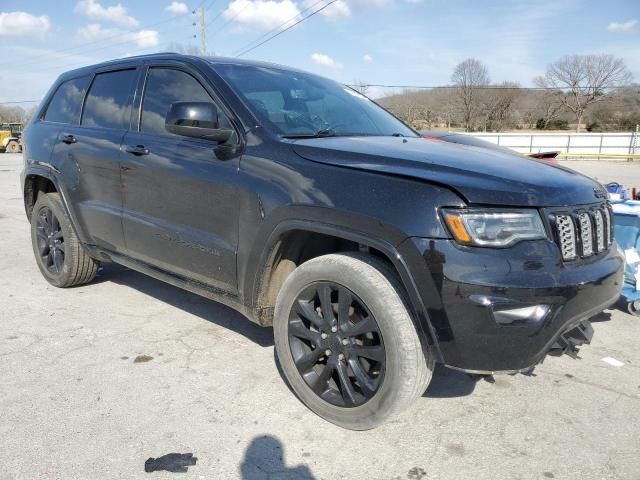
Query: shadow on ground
{"type": "Point", "coordinates": [264, 458]}
{"type": "Point", "coordinates": [448, 383]}
{"type": "Point", "coordinates": [204, 308]}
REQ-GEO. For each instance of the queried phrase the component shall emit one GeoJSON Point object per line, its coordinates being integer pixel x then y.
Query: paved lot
{"type": "Point", "coordinates": [75, 404]}
{"type": "Point", "coordinates": [627, 173]}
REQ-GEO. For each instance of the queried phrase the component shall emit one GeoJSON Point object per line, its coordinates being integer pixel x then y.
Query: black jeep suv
{"type": "Point", "coordinates": [373, 253]}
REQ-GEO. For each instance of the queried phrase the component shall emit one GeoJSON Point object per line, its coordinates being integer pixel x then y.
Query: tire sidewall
{"type": "Point", "coordinates": [386, 306]}
{"type": "Point", "coordinates": [48, 201]}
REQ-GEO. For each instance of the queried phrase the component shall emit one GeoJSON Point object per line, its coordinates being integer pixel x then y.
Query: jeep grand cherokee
{"type": "Point", "coordinates": [373, 253]}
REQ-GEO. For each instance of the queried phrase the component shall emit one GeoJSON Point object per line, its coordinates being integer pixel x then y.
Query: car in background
{"type": "Point", "coordinates": [463, 139]}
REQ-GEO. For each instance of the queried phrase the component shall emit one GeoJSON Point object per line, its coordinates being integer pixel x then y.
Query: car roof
{"type": "Point", "coordinates": [213, 60]}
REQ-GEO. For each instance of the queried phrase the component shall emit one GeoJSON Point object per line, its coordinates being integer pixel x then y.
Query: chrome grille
{"type": "Point", "coordinates": [586, 233]}
{"type": "Point", "coordinates": [608, 227]}
{"type": "Point", "coordinates": [567, 236]}
{"type": "Point", "coordinates": [600, 239]}
{"type": "Point", "coordinates": [583, 231]}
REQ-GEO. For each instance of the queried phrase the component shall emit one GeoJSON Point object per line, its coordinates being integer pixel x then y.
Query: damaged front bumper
{"type": "Point", "coordinates": [505, 310]}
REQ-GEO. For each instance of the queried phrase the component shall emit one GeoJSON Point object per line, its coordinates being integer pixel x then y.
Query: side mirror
{"type": "Point", "coordinates": [196, 120]}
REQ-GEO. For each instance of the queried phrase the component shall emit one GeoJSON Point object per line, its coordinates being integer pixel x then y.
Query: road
{"type": "Point", "coordinates": [627, 173]}
{"type": "Point", "coordinates": [97, 379]}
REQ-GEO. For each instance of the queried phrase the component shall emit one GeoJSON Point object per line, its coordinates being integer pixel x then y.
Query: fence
{"type": "Point", "coordinates": [603, 145]}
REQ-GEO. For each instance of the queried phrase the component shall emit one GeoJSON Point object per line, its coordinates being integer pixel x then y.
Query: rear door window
{"type": "Point", "coordinates": [66, 104]}
{"type": "Point", "coordinates": [108, 104]}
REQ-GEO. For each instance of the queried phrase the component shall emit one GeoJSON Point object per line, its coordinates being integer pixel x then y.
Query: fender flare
{"type": "Point", "coordinates": [420, 315]}
{"type": "Point", "coordinates": [45, 170]}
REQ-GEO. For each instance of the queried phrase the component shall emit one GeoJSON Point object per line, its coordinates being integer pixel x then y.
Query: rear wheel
{"type": "Point", "coordinates": [61, 259]}
{"type": "Point", "coordinates": [13, 147]}
{"type": "Point", "coordinates": [346, 341]}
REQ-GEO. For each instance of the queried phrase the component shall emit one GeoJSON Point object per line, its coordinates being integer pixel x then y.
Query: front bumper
{"type": "Point", "coordinates": [482, 303]}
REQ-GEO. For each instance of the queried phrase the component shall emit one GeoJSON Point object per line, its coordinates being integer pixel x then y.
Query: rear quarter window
{"type": "Point", "coordinates": [108, 104]}
{"type": "Point", "coordinates": [66, 104]}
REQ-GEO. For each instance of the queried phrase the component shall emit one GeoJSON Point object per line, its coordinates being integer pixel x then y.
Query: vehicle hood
{"type": "Point", "coordinates": [480, 175]}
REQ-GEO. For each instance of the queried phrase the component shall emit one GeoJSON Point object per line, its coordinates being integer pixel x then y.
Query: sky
{"type": "Point", "coordinates": [392, 42]}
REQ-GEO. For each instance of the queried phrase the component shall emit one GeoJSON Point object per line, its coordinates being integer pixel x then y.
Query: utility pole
{"type": "Point", "coordinates": [203, 32]}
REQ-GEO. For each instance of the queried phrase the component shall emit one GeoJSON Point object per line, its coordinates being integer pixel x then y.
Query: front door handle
{"type": "Point", "coordinates": [136, 149]}
{"type": "Point", "coordinates": [68, 139]}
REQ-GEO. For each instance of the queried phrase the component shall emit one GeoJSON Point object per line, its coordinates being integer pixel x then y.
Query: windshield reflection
{"type": "Point", "coordinates": [295, 104]}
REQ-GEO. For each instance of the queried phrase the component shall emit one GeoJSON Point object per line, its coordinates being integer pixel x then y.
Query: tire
{"type": "Point", "coordinates": [634, 308]}
{"type": "Point", "coordinates": [13, 147]}
{"type": "Point", "coordinates": [401, 376]}
{"type": "Point", "coordinates": [60, 257]}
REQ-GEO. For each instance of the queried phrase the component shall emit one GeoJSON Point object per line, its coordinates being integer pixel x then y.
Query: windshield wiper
{"type": "Point", "coordinates": [319, 134]}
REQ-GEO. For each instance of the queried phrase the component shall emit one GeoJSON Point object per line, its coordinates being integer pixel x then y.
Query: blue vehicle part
{"type": "Point", "coordinates": [627, 234]}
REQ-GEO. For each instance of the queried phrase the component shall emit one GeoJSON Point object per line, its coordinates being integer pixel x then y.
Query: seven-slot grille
{"type": "Point", "coordinates": [583, 232]}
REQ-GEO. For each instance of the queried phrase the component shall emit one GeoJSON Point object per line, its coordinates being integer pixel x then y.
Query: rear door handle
{"type": "Point", "coordinates": [68, 139]}
{"type": "Point", "coordinates": [136, 149]}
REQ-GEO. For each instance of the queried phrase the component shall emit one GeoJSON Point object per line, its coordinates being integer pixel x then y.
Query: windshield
{"type": "Point", "coordinates": [295, 104]}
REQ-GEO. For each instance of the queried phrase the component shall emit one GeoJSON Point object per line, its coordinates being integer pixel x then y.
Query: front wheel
{"type": "Point", "coordinates": [346, 341]}
{"type": "Point", "coordinates": [634, 308]}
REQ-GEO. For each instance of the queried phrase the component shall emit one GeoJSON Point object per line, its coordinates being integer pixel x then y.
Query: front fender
{"type": "Point", "coordinates": [386, 243]}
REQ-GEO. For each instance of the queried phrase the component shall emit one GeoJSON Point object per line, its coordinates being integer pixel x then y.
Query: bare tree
{"type": "Point", "coordinates": [360, 86]}
{"type": "Point", "coordinates": [550, 102]}
{"type": "Point", "coordinates": [587, 79]}
{"type": "Point", "coordinates": [498, 105]}
{"type": "Point", "coordinates": [467, 77]}
{"type": "Point", "coordinates": [11, 114]}
{"type": "Point", "coordinates": [188, 50]}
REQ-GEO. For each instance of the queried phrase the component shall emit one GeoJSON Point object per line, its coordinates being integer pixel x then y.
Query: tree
{"type": "Point", "coordinates": [360, 86]}
{"type": "Point", "coordinates": [11, 114]}
{"type": "Point", "coordinates": [584, 80]}
{"type": "Point", "coordinates": [498, 105]}
{"type": "Point", "coordinates": [188, 50]}
{"type": "Point", "coordinates": [467, 77]}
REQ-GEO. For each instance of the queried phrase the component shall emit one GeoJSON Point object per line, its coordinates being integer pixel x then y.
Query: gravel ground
{"type": "Point", "coordinates": [95, 380]}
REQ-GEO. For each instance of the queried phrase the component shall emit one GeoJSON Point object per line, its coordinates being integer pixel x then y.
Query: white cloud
{"type": "Point", "coordinates": [145, 38]}
{"type": "Point", "coordinates": [142, 38]}
{"type": "Point", "coordinates": [345, 8]}
{"type": "Point", "coordinates": [262, 14]}
{"type": "Point", "coordinates": [335, 10]}
{"type": "Point", "coordinates": [324, 60]}
{"type": "Point", "coordinates": [13, 24]}
{"type": "Point", "coordinates": [177, 8]}
{"type": "Point", "coordinates": [114, 13]}
{"type": "Point", "coordinates": [622, 27]}
{"type": "Point", "coordinates": [366, 58]}
{"type": "Point", "coordinates": [368, 3]}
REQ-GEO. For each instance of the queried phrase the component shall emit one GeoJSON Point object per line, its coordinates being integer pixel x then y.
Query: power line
{"type": "Point", "coordinates": [277, 28]}
{"type": "Point", "coordinates": [14, 102]}
{"type": "Point", "coordinates": [225, 24]}
{"type": "Point", "coordinates": [486, 87]}
{"type": "Point", "coordinates": [286, 29]}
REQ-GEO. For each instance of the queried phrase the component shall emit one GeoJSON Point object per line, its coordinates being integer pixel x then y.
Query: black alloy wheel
{"type": "Point", "coordinates": [336, 344]}
{"type": "Point", "coordinates": [50, 241]}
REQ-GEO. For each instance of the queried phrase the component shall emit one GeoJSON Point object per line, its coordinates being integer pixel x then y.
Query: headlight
{"type": "Point", "coordinates": [489, 228]}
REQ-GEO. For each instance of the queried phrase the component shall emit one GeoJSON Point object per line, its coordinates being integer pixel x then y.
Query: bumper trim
{"type": "Point", "coordinates": [568, 340]}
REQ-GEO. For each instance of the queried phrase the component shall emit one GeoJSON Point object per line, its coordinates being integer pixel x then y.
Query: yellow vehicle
{"type": "Point", "coordinates": [10, 137]}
